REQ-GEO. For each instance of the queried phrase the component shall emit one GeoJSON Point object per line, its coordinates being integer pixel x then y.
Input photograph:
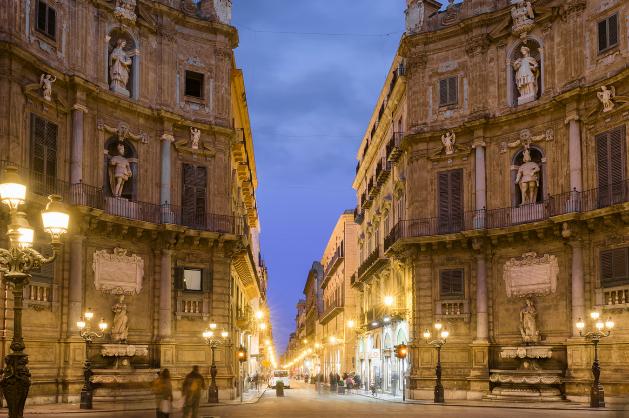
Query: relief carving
{"type": "Point", "coordinates": [531, 275]}
{"type": "Point", "coordinates": [118, 273]}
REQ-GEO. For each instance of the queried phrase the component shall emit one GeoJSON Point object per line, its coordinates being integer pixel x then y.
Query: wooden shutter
{"type": "Point", "coordinates": [615, 267]}
{"type": "Point", "coordinates": [453, 90]}
{"type": "Point", "coordinates": [206, 276]}
{"type": "Point", "coordinates": [610, 156]}
{"type": "Point", "coordinates": [443, 92]}
{"type": "Point", "coordinates": [612, 31]}
{"type": "Point", "coordinates": [44, 154]}
{"type": "Point", "coordinates": [450, 201]}
{"type": "Point", "coordinates": [51, 28]}
{"type": "Point", "coordinates": [452, 284]}
{"type": "Point", "coordinates": [178, 278]}
{"type": "Point", "coordinates": [41, 16]}
{"type": "Point", "coordinates": [194, 196]}
{"type": "Point", "coordinates": [602, 35]}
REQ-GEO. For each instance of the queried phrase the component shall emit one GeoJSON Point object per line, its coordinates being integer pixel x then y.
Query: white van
{"type": "Point", "coordinates": [277, 375]}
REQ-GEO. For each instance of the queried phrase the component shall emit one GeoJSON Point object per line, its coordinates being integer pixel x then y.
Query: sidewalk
{"type": "Point", "coordinates": [250, 397]}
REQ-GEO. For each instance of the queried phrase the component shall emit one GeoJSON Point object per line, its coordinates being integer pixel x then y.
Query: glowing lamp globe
{"type": "Point", "coordinates": [12, 189]}
{"type": "Point", "coordinates": [54, 218]}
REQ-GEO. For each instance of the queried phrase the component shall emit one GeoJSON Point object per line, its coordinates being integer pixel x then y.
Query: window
{"type": "Point", "coordinates": [194, 84]}
{"type": "Point", "coordinates": [193, 279]}
{"type": "Point", "coordinates": [452, 284]}
{"type": "Point", "coordinates": [450, 201]}
{"type": "Point", "coordinates": [615, 267]}
{"type": "Point", "coordinates": [193, 200]}
{"type": "Point", "coordinates": [46, 19]}
{"type": "Point", "coordinates": [43, 154]}
{"type": "Point", "coordinates": [610, 158]}
{"type": "Point", "coordinates": [448, 94]}
{"type": "Point", "coordinates": [608, 33]}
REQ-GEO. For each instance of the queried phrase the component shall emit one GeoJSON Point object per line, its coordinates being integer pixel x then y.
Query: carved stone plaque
{"type": "Point", "coordinates": [531, 275]}
{"type": "Point", "coordinates": [118, 273]}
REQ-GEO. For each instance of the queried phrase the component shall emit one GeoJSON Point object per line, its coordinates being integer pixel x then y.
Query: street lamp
{"type": "Point", "coordinates": [601, 330]}
{"type": "Point", "coordinates": [442, 336]}
{"type": "Point", "coordinates": [88, 335]}
{"type": "Point", "coordinates": [15, 265]}
{"type": "Point", "coordinates": [212, 339]}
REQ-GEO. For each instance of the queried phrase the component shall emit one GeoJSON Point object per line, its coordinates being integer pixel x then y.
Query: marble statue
{"type": "Point", "coordinates": [523, 18]}
{"type": "Point", "coordinates": [414, 16]}
{"type": "Point", "coordinates": [528, 322]}
{"type": "Point", "coordinates": [119, 171]}
{"type": "Point", "coordinates": [195, 137]}
{"type": "Point", "coordinates": [606, 96]}
{"type": "Point", "coordinates": [527, 73]}
{"type": "Point", "coordinates": [448, 140]}
{"type": "Point", "coordinates": [120, 327]}
{"type": "Point", "coordinates": [119, 67]}
{"type": "Point", "coordinates": [45, 82]}
{"type": "Point", "coordinates": [528, 178]}
{"type": "Point", "coordinates": [125, 11]}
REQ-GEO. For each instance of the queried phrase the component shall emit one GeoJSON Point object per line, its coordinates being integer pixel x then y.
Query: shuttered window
{"type": "Point", "coordinates": [43, 155]}
{"type": "Point", "coordinates": [46, 19]}
{"type": "Point", "coordinates": [194, 198]}
{"type": "Point", "coordinates": [450, 201]}
{"type": "Point", "coordinates": [448, 94]}
{"type": "Point", "coordinates": [615, 267]}
{"type": "Point", "coordinates": [193, 279]}
{"type": "Point", "coordinates": [452, 284]}
{"type": "Point", "coordinates": [610, 158]}
{"type": "Point", "coordinates": [608, 33]}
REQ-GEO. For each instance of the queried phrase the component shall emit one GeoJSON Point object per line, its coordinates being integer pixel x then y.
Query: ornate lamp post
{"type": "Point", "coordinates": [213, 340]}
{"type": "Point", "coordinates": [88, 335]}
{"type": "Point", "coordinates": [15, 265]}
{"type": "Point", "coordinates": [442, 336]}
{"type": "Point", "coordinates": [602, 330]}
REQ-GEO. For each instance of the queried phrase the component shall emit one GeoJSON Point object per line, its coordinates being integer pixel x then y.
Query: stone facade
{"type": "Point", "coordinates": [182, 202]}
{"type": "Point", "coordinates": [507, 180]}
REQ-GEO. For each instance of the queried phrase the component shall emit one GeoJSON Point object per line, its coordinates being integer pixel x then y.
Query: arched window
{"type": "Point", "coordinates": [519, 194]}
{"type": "Point", "coordinates": [401, 337]}
{"type": "Point", "coordinates": [113, 148]}
{"type": "Point", "coordinates": [387, 342]}
{"type": "Point", "coordinates": [530, 61]}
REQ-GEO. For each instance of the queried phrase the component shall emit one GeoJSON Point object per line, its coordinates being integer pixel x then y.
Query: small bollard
{"type": "Point", "coordinates": [279, 388]}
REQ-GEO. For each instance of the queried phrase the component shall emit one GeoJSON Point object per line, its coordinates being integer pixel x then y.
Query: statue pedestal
{"type": "Point", "coordinates": [526, 99]}
{"type": "Point", "coordinates": [530, 382]}
{"type": "Point", "coordinates": [123, 353]}
{"type": "Point", "coordinates": [122, 207]}
{"type": "Point", "coordinates": [527, 213]}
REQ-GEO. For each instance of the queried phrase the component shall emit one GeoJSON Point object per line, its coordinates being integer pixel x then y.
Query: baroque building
{"type": "Point", "coordinates": [136, 114]}
{"type": "Point", "coordinates": [492, 190]}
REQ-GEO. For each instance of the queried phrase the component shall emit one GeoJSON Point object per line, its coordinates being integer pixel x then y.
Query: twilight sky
{"type": "Point", "coordinates": [310, 98]}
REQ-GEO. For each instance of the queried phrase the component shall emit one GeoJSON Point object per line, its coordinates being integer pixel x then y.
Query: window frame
{"type": "Point", "coordinates": [606, 21]}
{"type": "Point", "coordinates": [450, 101]}
{"type": "Point", "coordinates": [189, 97]}
{"type": "Point", "coordinates": [612, 282]}
{"type": "Point", "coordinates": [452, 296]}
{"type": "Point", "coordinates": [51, 35]}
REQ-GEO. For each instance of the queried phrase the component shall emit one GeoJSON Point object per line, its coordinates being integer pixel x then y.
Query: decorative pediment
{"type": "Point", "coordinates": [36, 93]}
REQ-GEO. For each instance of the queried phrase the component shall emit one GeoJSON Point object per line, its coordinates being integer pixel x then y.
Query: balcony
{"type": "Point", "coordinates": [192, 305]}
{"type": "Point", "coordinates": [393, 149]}
{"type": "Point", "coordinates": [94, 197]}
{"type": "Point", "coordinates": [384, 173]}
{"type": "Point", "coordinates": [335, 261]}
{"type": "Point", "coordinates": [562, 204]}
{"type": "Point", "coordinates": [359, 216]}
{"type": "Point", "coordinates": [613, 298]}
{"type": "Point", "coordinates": [331, 310]}
{"type": "Point", "coordinates": [371, 263]}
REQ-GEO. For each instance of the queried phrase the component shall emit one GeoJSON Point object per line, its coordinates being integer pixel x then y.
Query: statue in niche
{"type": "Point", "coordinates": [448, 140]}
{"type": "Point", "coordinates": [528, 322]}
{"type": "Point", "coordinates": [45, 82]}
{"type": "Point", "coordinates": [119, 171]}
{"type": "Point", "coordinates": [606, 96]}
{"type": "Point", "coordinates": [528, 178]}
{"type": "Point", "coordinates": [527, 73]}
{"type": "Point", "coordinates": [120, 327]}
{"type": "Point", "coordinates": [195, 137]}
{"type": "Point", "coordinates": [119, 68]}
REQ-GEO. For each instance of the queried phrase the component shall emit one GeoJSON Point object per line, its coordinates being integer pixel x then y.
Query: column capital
{"type": "Point", "coordinates": [479, 142]}
{"type": "Point", "coordinates": [80, 107]}
{"type": "Point", "coordinates": [168, 137]}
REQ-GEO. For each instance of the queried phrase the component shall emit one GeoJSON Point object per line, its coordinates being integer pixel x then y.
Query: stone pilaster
{"type": "Point", "coordinates": [76, 163]}
{"type": "Point", "coordinates": [574, 152]}
{"type": "Point", "coordinates": [578, 285]}
{"type": "Point", "coordinates": [166, 172]}
{"type": "Point", "coordinates": [165, 296]}
{"type": "Point", "coordinates": [75, 297]}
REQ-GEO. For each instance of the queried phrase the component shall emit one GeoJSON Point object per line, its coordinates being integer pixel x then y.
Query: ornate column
{"type": "Point", "coordinates": [165, 295]}
{"type": "Point", "coordinates": [75, 305]}
{"type": "Point", "coordinates": [76, 163]}
{"type": "Point", "coordinates": [578, 286]}
{"type": "Point", "coordinates": [167, 140]}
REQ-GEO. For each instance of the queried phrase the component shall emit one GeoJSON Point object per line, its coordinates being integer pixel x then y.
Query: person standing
{"type": "Point", "coordinates": [193, 384]}
{"type": "Point", "coordinates": [163, 389]}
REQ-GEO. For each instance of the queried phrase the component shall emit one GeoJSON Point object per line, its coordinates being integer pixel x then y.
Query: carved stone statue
{"type": "Point", "coordinates": [448, 140]}
{"type": "Point", "coordinates": [528, 322]}
{"type": "Point", "coordinates": [414, 16]}
{"type": "Point", "coordinates": [528, 178]}
{"type": "Point", "coordinates": [527, 73]}
{"type": "Point", "coordinates": [120, 327]}
{"type": "Point", "coordinates": [606, 96]}
{"type": "Point", "coordinates": [523, 18]}
{"type": "Point", "coordinates": [195, 137]}
{"type": "Point", "coordinates": [125, 11]}
{"type": "Point", "coordinates": [45, 82]}
{"type": "Point", "coordinates": [119, 67]}
{"type": "Point", "coordinates": [119, 171]}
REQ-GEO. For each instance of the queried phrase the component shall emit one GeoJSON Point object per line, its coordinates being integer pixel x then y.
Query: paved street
{"type": "Point", "coordinates": [303, 401]}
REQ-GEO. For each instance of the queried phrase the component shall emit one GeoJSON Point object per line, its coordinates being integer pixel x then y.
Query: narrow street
{"type": "Point", "coordinates": [303, 401]}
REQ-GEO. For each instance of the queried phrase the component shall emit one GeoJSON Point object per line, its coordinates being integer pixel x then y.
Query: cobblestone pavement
{"type": "Point", "coordinates": [303, 401]}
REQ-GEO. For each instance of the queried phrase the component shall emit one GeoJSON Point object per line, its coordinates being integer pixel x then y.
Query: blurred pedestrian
{"type": "Point", "coordinates": [193, 384]}
{"type": "Point", "coordinates": [163, 389]}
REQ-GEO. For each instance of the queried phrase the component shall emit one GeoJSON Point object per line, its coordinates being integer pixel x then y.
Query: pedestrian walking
{"type": "Point", "coordinates": [193, 384]}
{"type": "Point", "coordinates": [163, 389]}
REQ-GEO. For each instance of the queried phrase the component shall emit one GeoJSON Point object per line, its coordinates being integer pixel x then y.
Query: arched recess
{"type": "Point", "coordinates": [537, 156]}
{"type": "Point", "coordinates": [388, 341]}
{"type": "Point", "coordinates": [536, 51]}
{"type": "Point", "coordinates": [129, 190]}
{"type": "Point", "coordinates": [132, 50]}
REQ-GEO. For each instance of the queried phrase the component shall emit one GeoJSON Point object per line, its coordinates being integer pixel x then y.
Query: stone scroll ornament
{"type": "Point", "coordinates": [118, 273]}
{"type": "Point", "coordinates": [531, 275]}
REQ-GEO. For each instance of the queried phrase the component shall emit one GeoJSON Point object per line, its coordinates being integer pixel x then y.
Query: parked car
{"type": "Point", "coordinates": [278, 375]}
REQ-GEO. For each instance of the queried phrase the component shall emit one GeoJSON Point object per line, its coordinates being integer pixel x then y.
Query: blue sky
{"type": "Point", "coordinates": [310, 99]}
